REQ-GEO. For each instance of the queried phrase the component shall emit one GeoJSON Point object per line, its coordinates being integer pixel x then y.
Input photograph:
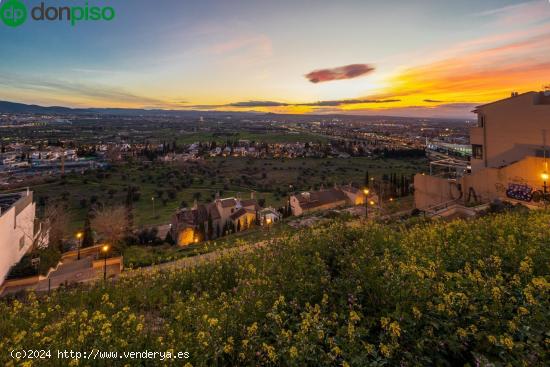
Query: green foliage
{"type": "Point", "coordinates": [465, 292]}
{"type": "Point", "coordinates": [49, 257]}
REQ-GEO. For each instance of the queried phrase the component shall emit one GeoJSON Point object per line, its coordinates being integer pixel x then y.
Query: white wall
{"type": "Point", "coordinates": [12, 229]}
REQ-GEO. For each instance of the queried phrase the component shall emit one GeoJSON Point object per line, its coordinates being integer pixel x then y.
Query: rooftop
{"type": "Point", "coordinates": [539, 98]}
{"type": "Point", "coordinates": [9, 200]}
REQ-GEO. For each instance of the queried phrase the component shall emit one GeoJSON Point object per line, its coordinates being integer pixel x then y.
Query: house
{"type": "Point", "coordinates": [325, 199]}
{"type": "Point", "coordinates": [207, 221]}
{"type": "Point", "coordinates": [509, 157]}
{"type": "Point", "coordinates": [18, 230]}
{"type": "Point", "coordinates": [269, 216]}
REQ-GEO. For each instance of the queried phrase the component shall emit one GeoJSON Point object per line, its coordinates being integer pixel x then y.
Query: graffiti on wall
{"type": "Point", "coordinates": [520, 192]}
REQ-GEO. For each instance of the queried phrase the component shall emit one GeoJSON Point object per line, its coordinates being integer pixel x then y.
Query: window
{"type": "Point", "coordinates": [21, 242]}
{"type": "Point", "coordinates": [481, 121]}
{"type": "Point", "coordinates": [477, 151]}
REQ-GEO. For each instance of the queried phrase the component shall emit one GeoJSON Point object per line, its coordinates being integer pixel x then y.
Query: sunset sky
{"type": "Point", "coordinates": [418, 58]}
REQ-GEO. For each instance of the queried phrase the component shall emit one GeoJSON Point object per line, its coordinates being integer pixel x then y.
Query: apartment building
{"type": "Point", "coordinates": [511, 129]}
{"type": "Point", "coordinates": [510, 154]}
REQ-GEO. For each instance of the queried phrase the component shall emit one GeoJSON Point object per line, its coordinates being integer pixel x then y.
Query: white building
{"type": "Point", "coordinates": [269, 216]}
{"type": "Point", "coordinates": [17, 229]}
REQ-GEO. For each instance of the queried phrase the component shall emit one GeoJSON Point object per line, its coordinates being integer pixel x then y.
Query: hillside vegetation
{"type": "Point", "coordinates": [466, 292]}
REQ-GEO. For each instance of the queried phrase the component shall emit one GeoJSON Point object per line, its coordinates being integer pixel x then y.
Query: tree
{"type": "Point", "coordinates": [210, 226]}
{"type": "Point", "coordinates": [169, 239]}
{"type": "Point", "coordinates": [88, 237]}
{"type": "Point", "coordinates": [56, 221]}
{"type": "Point", "coordinates": [201, 231]}
{"type": "Point", "coordinates": [111, 224]}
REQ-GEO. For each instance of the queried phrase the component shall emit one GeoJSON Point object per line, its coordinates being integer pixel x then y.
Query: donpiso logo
{"type": "Point", "coordinates": [14, 13]}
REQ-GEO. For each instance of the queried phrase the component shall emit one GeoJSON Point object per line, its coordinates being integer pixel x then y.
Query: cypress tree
{"type": "Point", "coordinates": [88, 237]}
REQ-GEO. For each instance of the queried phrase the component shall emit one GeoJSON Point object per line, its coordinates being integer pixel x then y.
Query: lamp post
{"type": "Point", "coordinates": [544, 175]}
{"type": "Point", "coordinates": [366, 192]}
{"type": "Point", "coordinates": [153, 200]}
{"type": "Point", "coordinates": [105, 250]}
{"type": "Point", "coordinates": [268, 222]}
{"type": "Point", "coordinates": [79, 236]}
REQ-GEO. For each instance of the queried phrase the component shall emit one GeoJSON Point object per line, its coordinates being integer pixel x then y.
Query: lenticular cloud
{"type": "Point", "coordinates": [339, 73]}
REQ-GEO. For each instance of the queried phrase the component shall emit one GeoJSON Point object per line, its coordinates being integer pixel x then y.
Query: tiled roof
{"type": "Point", "coordinates": [320, 198]}
{"type": "Point", "coordinates": [228, 203]}
{"type": "Point", "coordinates": [250, 203]}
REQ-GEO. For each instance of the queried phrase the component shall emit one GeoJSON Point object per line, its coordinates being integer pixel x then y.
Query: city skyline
{"type": "Point", "coordinates": [359, 57]}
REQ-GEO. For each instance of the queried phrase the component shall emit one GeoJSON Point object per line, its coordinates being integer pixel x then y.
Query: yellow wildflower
{"type": "Point", "coordinates": [522, 311]}
{"type": "Point", "coordinates": [507, 341]}
{"type": "Point", "coordinates": [252, 329]}
{"type": "Point", "coordinates": [496, 293]}
{"type": "Point", "coordinates": [369, 348]}
{"type": "Point", "coordinates": [526, 265]}
{"type": "Point", "coordinates": [416, 312]}
{"type": "Point", "coordinates": [293, 352]}
{"type": "Point", "coordinates": [395, 329]}
{"type": "Point", "coordinates": [385, 350]}
{"type": "Point", "coordinates": [540, 283]}
{"type": "Point", "coordinates": [270, 350]}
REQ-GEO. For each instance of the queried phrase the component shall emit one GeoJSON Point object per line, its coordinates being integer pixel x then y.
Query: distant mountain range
{"type": "Point", "coordinates": [12, 107]}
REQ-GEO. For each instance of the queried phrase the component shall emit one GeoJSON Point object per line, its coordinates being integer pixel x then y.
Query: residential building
{"type": "Point", "coordinates": [207, 221]}
{"type": "Point", "coordinates": [509, 157]}
{"type": "Point", "coordinates": [18, 232]}
{"type": "Point", "coordinates": [269, 216]}
{"type": "Point", "coordinates": [511, 129]}
{"type": "Point", "coordinates": [326, 199]}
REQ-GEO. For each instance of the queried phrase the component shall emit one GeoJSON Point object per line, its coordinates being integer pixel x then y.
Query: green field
{"type": "Point", "coordinates": [267, 137]}
{"type": "Point", "coordinates": [271, 179]}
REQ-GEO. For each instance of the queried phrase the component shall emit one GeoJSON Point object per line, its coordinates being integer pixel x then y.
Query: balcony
{"type": "Point", "coordinates": [476, 135]}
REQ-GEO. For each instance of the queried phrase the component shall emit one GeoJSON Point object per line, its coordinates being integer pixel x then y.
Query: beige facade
{"type": "Point", "coordinates": [510, 156]}
{"type": "Point", "coordinates": [511, 129]}
{"type": "Point", "coordinates": [521, 181]}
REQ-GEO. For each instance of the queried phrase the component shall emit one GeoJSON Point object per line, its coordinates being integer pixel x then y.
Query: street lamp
{"type": "Point", "coordinates": [79, 236]}
{"type": "Point", "coordinates": [153, 200]}
{"type": "Point", "coordinates": [268, 222]}
{"type": "Point", "coordinates": [544, 175]}
{"type": "Point", "coordinates": [366, 192]}
{"type": "Point", "coordinates": [105, 250]}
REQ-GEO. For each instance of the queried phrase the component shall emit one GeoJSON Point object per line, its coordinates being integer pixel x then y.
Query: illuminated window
{"type": "Point", "coordinates": [477, 151]}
